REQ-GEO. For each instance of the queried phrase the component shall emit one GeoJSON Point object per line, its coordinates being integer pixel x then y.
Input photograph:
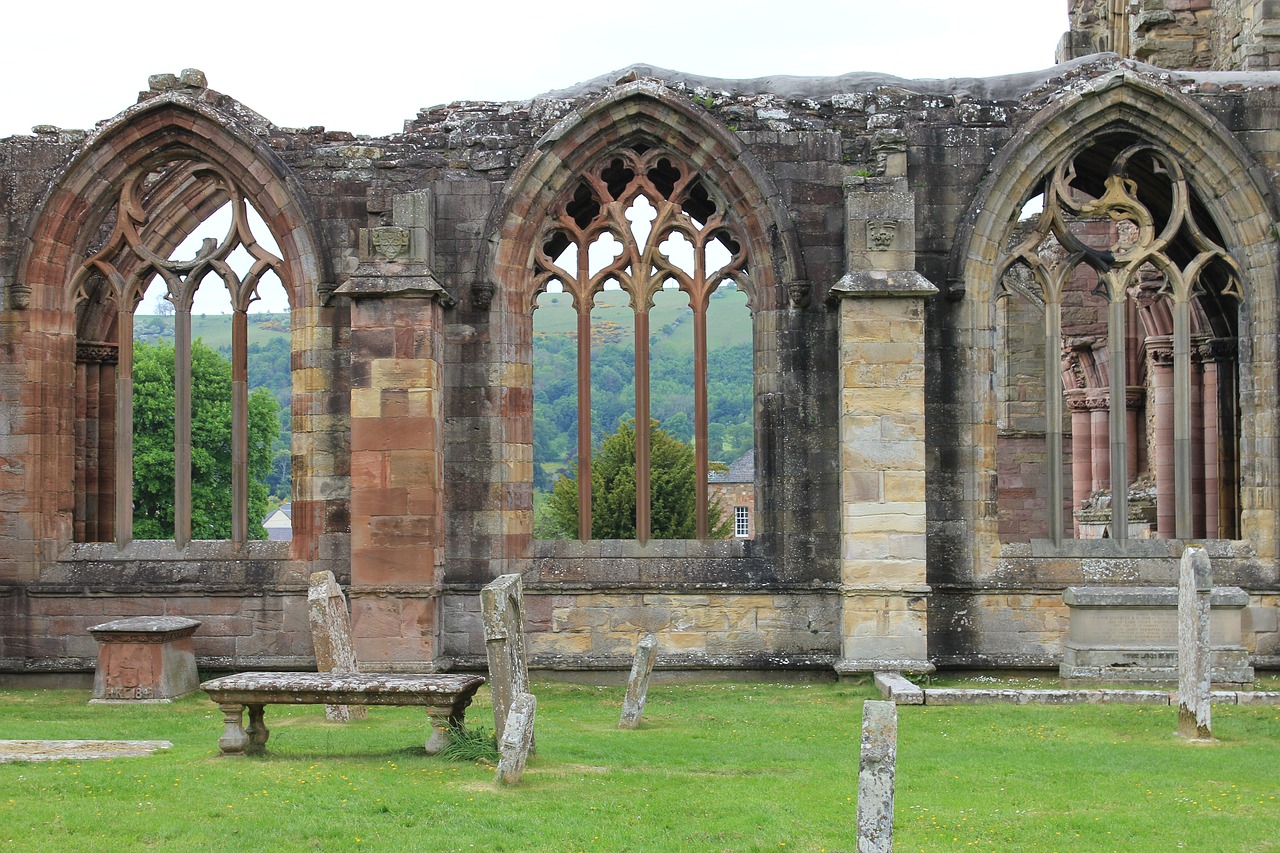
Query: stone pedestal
{"type": "Point", "coordinates": [882, 451]}
{"type": "Point", "coordinates": [1130, 634]}
{"type": "Point", "coordinates": [144, 659]}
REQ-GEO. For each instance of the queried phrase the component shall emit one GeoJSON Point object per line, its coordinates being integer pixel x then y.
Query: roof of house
{"type": "Point", "coordinates": [743, 470]}
{"type": "Point", "coordinates": [286, 508]}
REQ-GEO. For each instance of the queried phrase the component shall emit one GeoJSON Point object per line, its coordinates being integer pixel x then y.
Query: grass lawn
{"type": "Point", "coordinates": [720, 766]}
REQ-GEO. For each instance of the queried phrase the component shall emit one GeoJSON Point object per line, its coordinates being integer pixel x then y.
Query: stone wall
{"type": "Point", "coordinates": [412, 418]}
{"type": "Point", "coordinates": [1185, 34]}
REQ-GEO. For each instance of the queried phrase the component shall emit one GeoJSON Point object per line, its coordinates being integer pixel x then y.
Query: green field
{"type": "Point", "coordinates": [213, 329]}
{"type": "Point", "coordinates": [722, 766]}
{"type": "Point", "coordinates": [728, 320]}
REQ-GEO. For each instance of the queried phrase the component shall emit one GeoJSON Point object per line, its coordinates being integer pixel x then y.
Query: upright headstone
{"type": "Point", "coordinates": [1195, 585]}
{"type": "Point", "coordinates": [502, 610]}
{"type": "Point", "coordinates": [331, 634]}
{"type": "Point", "coordinates": [517, 739]}
{"type": "Point", "coordinates": [638, 683]}
{"type": "Point", "coordinates": [876, 771]}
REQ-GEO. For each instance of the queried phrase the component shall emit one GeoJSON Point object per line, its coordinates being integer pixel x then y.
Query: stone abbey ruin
{"type": "Point", "coordinates": [1012, 338]}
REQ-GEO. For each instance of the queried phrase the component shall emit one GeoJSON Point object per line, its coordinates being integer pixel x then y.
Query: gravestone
{"type": "Point", "coordinates": [638, 683]}
{"type": "Point", "coordinates": [1130, 635]}
{"type": "Point", "coordinates": [1195, 585]}
{"type": "Point", "coordinates": [331, 634]}
{"type": "Point", "coordinates": [876, 771]}
{"type": "Point", "coordinates": [502, 611]}
{"type": "Point", "coordinates": [144, 659]}
{"type": "Point", "coordinates": [517, 739]}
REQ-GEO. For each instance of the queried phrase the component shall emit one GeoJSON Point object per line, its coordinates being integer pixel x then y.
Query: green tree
{"type": "Point", "coordinates": [210, 444]}
{"type": "Point", "coordinates": [613, 490]}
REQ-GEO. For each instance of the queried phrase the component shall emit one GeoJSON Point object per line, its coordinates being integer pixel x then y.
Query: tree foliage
{"type": "Point", "coordinates": [613, 490]}
{"type": "Point", "coordinates": [153, 428]}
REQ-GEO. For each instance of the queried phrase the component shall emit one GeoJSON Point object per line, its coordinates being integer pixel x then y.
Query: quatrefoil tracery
{"type": "Point", "coordinates": [603, 203]}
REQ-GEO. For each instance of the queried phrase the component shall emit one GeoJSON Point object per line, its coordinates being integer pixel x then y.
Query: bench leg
{"type": "Point", "coordinates": [439, 732]}
{"type": "Point", "coordinates": [257, 731]}
{"type": "Point", "coordinates": [234, 740]}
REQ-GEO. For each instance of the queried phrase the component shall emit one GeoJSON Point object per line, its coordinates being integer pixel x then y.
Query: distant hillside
{"type": "Point", "coordinates": [729, 374]}
{"type": "Point", "coordinates": [729, 368]}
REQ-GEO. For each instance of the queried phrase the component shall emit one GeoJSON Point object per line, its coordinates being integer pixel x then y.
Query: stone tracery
{"type": "Point", "coordinates": [1154, 261]}
{"type": "Point", "coordinates": [602, 208]}
{"type": "Point", "coordinates": [155, 209]}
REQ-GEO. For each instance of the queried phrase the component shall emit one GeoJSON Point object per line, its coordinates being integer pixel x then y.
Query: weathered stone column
{"type": "Point", "coordinates": [882, 450]}
{"type": "Point", "coordinates": [1081, 452]}
{"type": "Point", "coordinates": [1160, 353]}
{"type": "Point", "coordinates": [397, 521]}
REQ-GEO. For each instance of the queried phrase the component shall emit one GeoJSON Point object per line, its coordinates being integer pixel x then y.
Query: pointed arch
{"type": "Point", "coordinates": [637, 116]}
{"type": "Point", "coordinates": [1235, 195]}
{"type": "Point", "coordinates": [198, 127]}
{"type": "Point", "coordinates": [642, 112]}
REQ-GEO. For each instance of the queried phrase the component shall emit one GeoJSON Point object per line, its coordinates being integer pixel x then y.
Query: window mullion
{"type": "Point", "coordinates": [700, 415]}
{"type": "Point", "coordinates": [239, 426]}
{"type": "Point", "coordinates": [124, 426]}
{"type": "Point", "coordinates": [182, 419]}
{"type": "Point", "coordinates": [1118, 421]}
{"type": "Point", "coordinates": [1182, 416]}
{"type": "Point", "coordinates": [643, 509]}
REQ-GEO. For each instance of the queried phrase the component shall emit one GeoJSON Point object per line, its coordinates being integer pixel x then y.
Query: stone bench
{"type": "Point", "coordinates": [445, 697]}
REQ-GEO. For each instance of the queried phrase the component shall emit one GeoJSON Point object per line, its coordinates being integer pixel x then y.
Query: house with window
{"type": "Point", "coordinates": [735, 490]}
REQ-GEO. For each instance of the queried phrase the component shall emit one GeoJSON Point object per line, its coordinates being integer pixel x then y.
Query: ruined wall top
{"type": "Point", "coordinates": [1219, 35]}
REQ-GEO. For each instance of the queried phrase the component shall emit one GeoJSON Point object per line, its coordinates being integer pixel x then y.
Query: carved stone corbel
{"type": "Point", "coordinates": [19, 296]}
{"type": "Point", "coordinates": [799, 293]}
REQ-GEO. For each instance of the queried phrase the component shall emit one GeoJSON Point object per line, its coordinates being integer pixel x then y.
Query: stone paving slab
{"type": "Point", "coordinates": [78, 750]}
{"type": "Point", "coordinates": [964, 696]}
{"type": "Point", "coordinates": [893, 686]}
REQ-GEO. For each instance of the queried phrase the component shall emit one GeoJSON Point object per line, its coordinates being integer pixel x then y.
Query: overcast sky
{"type": "Point", "coordinates": [367, 66]}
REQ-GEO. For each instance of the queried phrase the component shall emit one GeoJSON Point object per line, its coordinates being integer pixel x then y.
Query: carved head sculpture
{"type": "Point", "coordinates": [19, 296]}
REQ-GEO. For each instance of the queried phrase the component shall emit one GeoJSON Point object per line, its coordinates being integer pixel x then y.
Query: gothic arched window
{"type": "Point", "coordinates": [1139, 303]}
{"type": "Point", "coordinates": [641, 222]}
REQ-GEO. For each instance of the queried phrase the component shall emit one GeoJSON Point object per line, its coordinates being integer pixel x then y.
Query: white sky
{"type": "Point", "coordinates": [367, 67]}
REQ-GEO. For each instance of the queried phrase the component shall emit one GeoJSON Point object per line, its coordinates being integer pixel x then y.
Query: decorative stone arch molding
{"type": "Point", "coordinates": [193, 125]}
{"type": "Point", "coordinates": [646, 112]}
{"type": "Point", "coordinates": [648, 115]}
{"type": "Point", "coordinates": [1235, 195]}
